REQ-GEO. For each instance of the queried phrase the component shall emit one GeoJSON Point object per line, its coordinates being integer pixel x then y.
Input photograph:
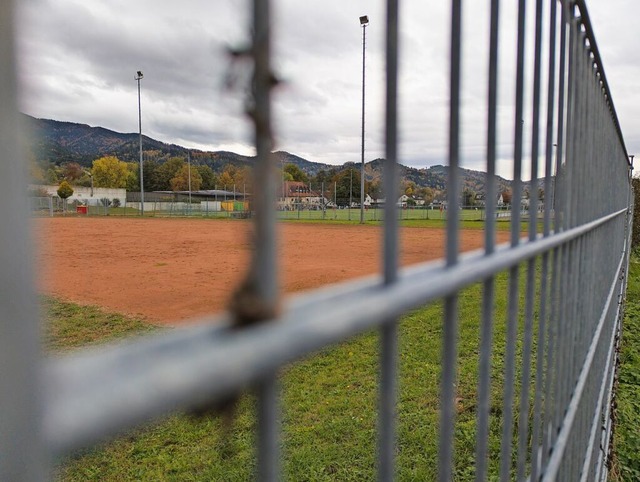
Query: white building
{"type": "Point", "coordinates": [86, 195]}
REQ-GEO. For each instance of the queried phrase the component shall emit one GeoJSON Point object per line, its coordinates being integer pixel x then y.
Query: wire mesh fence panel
{"type": "Point", "coordinates": [529, 399]}
{"type": "Point", "coordinates": [183, 204]}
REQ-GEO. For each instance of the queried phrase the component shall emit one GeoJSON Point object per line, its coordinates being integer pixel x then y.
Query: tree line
{"type": "Point", "coordinates": [171, 175]}
{"type": "Point", "coordinates": [341, 183]}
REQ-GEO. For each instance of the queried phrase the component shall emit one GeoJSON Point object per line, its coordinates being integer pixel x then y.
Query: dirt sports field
{"type": "Point", "coordinates": [166, 270]}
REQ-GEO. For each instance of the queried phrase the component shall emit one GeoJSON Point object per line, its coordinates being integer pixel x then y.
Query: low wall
{"type": "Point", "coordinates": [87, 195]}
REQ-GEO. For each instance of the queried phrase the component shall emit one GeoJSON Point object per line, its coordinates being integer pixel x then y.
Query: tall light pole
{"type": "Point", "coordinates": [364, 21]}
{"type": "Point", "coordinates": [138, 77]}
{"type": "Point", "coordinates": [350, 191]}
{"type": "Point", "coordinates": [283, 196]}
{"type": "Point", "coordinates": [91, 177]}
{"type": "Point", "coordinates": [189, 174]}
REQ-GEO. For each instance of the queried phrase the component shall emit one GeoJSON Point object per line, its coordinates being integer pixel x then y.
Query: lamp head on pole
{"type": "Point", "coordinates": [138, 75]}
{"type": "Point", "coordinates": [364, 20]}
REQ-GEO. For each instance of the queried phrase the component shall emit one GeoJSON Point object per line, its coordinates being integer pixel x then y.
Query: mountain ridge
{"type": "Point", "coordinates": [57, 142]}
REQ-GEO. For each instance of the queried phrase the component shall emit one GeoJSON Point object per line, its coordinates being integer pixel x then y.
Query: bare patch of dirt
{"type": "Point", "coordinates": [172, 270]}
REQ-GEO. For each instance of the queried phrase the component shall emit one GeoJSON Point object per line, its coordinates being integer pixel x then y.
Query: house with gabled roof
{"type": "Point", "coordinates": [298, 195]}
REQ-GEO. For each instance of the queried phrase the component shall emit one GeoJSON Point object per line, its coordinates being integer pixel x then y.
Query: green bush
{"type": "Point", "coordinates": [65, 190]}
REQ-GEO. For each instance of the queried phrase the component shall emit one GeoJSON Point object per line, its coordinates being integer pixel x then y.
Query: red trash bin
{"type": "Point", "coordinates": [81, 209]}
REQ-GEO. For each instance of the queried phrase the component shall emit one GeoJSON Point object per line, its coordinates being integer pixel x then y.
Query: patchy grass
{"type": "Point", "coordinates": [501, 225]}
{"type": "Point", "coordinates": [329, 407]}
{"type": "Point", "coordinates": [70, 326]}
{"type": "Point", "coordinates": [626, 438]}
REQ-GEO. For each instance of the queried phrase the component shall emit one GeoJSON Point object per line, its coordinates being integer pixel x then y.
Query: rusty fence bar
{"type": "Point", "coordinates": [556, 402]}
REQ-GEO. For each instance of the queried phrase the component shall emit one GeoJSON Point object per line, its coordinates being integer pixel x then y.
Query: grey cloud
{"type": "Point", "coordinates": [77, 61]}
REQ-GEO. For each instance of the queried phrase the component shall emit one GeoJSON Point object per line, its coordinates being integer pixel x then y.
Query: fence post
{"type": "Point", "coordinates": [22, 453]}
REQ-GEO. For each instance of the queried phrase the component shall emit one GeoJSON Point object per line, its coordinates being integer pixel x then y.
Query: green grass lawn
{"type": "Point", "coordinates": [627, 430]}
{"type": "Point", "coordinates": [409, 222]}
{"type": "Point", "coordinates": [329, 406]}
{"type": "Point", "coordinates": [70, 326]}
{"type": "Point", "coordinates": [418, 218]}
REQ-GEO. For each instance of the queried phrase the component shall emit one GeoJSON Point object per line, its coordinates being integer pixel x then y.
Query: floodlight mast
{"type": "Point", "coordinates": [364, 21]}
{"type": "Point", "coordinates": [189, 174]}
{"type": "Point", "coordinates": [138, 77]}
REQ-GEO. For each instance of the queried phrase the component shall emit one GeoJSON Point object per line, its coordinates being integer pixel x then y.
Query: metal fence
{"type": "Point", "coordinates": [212, 207]}
{"type": "Point", "coordinates": [569, 323]}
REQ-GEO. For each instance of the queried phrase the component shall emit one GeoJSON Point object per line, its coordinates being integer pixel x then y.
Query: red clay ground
{"type": "Point", "coordinates": [175, 269]}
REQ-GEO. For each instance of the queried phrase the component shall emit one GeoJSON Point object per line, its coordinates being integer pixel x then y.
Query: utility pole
{"type": "Point", "coordinates": [138, 77]}
{"type": "Point", "coordinates": [364, 21]}
{"type": "Point", "coordinates": [350, 191]}
{"type": "Point", "coordinates": [189, 174]}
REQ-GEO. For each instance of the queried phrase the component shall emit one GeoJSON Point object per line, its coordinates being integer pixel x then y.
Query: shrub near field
{"type": "Point", "coordinates": [329, 405]}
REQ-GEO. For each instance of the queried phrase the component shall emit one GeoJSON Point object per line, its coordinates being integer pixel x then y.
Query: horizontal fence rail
{"type": "Point", "coordinates": [566, 283]}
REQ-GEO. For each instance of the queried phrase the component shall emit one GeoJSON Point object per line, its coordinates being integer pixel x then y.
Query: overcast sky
{"type": "Point", "coordinates": [77, 60]}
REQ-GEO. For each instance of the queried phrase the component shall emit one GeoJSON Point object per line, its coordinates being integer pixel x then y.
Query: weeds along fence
{"type": "Point", "coordinates": [555, 362]}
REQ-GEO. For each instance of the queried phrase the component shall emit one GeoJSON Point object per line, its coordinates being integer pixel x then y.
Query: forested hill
{"type": "Point", "coordinates": [435, 177]}
{"type": "Point", "coordinates": [54, 143]}
{"type": "Point", "coordinates": [472, 180]}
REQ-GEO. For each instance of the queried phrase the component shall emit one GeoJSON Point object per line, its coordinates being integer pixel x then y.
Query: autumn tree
{"type": "Point", "coordinates": [348, 186]}
{"type": "Point", "coordinates": [36, 173]}
{"type": "Point", "coordinates": [53, 175]}
{"type": "Point", "coordinates": [287, 176]}
{"type": "Point", "coordinates": [64, 190]}
{"type": "Point", "coordinates": [110, 172]}
{"type": "Point", "coordinates": [180, 182]}
{"type": "Point", "coordinates": [296, 173]}
{"type": "Point", "coordinates": [242, 178]}
{"type": "Point", "coordinates": [72, 171]}
{"type": "Point", "coordinates": [506, 197]}
{"type": "Point", "coordinates": [133, 180]}
{"type": "Point", "coordinates": [468, 198]}
{"type": "Point", "coordinates": [225, 180]}
{"type": "Point", "coordinates": [209, 178]}
{"type": "Point", "coordinates": [425, 193]}
{"type": "Point", "coordinates": [150, 172]}
{"type": "Point", "coordinates": [328, 177]}
{"type": "Point", "coordinates": [167, 171]}
{"type": "Point", "coordinates": [375, 190]}
{"type": "Point", "coordinates": [409, 188]}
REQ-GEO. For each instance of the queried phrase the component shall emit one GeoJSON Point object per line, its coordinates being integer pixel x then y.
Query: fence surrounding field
{"type": "Point", "coordinates": [561, 339]}
{"type": "Point", "coordinates": [53, 206]}
{"type": "Point", "coordinates": [405, 213]}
